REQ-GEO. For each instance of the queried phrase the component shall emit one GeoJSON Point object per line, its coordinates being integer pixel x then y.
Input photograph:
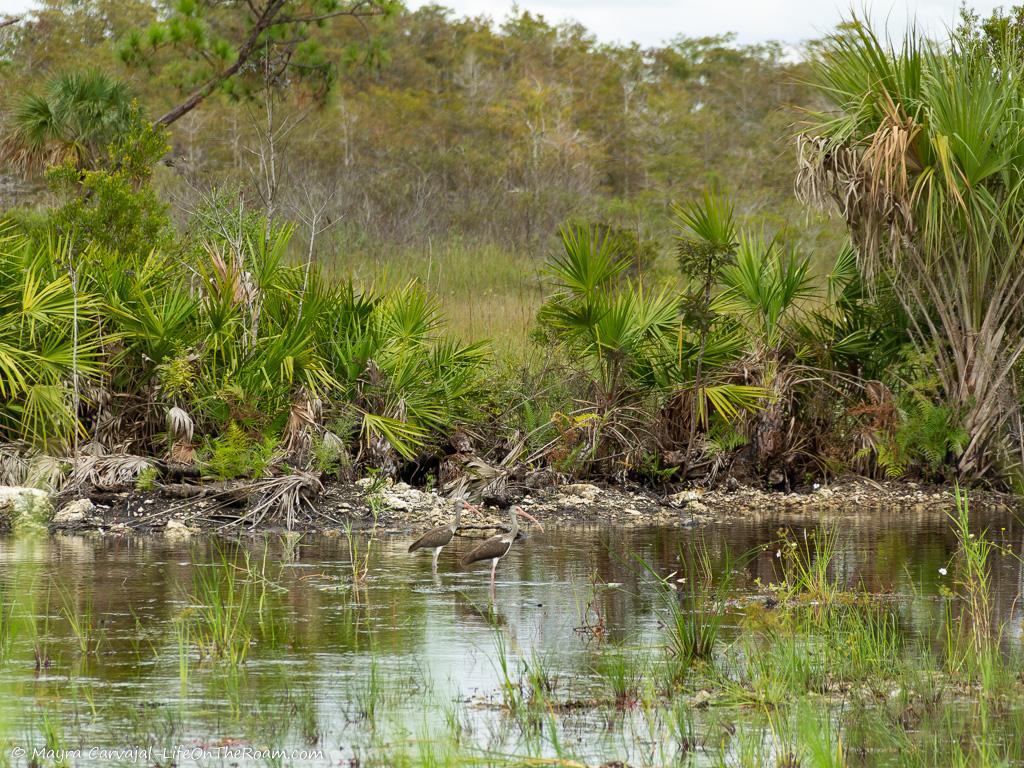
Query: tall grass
{"type": "Point", "coordinates": [83, 623]}
{"type": "Point", "coordinates": [485, 291]}
{"type": "Point", "coordinates": [695, 605]}
{"type": "Point", "coordinates": [224, 601]}
{"type": "Point", "coordinates": [806, 565]}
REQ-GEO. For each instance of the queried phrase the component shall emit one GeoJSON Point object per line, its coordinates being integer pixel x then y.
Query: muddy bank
{"type": "Point", "coordinates": [399, 508]}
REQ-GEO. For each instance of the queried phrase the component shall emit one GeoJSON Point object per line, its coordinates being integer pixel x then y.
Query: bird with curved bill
{"type": "Point", "coordinates": [497, 547]}
{"type": "Point", "coordinates": [441, 536]}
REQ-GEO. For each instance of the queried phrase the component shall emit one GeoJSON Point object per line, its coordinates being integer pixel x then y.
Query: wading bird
{"type": "Point", "coordinates": [497, 547]}
{"type": "Point", "coordinates": [440, 537]}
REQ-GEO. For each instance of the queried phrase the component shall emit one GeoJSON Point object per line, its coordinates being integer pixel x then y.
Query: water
{"type": "Point", "coordinates": [410, 657]}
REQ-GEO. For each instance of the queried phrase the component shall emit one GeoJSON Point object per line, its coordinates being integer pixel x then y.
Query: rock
{"type": "Point", "coordinates": [397, 503]}
{"type": "Point", "coordinates": [697, 508]}
{"type": "Point", "coordinates": [74, 514]}
{"type": "Point", "coordinates": [583, 490]}
{"type": "Point", "coordinates": [24, 509]}
{"type": "Point", "coordinates": [683, 498]}
{"type": "Point", "coordinates": [176, 529]}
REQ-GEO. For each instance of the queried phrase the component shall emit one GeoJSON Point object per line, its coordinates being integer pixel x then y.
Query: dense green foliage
{"type": "Point", "coordinates": [194, 313]}
{"type": "Point", "coordinates": [921, 148]}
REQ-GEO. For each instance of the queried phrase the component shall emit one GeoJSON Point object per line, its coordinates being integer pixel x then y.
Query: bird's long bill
{"type": "Point", "coordinates": [523, 513]}
{"type": "Point", "coordinates": [472, 507]}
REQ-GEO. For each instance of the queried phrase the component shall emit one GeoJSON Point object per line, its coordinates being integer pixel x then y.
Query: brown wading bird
{"type": "Point", "coordinates": [497, 547]}
{"type": "Point", "coordinates": [440, 537]}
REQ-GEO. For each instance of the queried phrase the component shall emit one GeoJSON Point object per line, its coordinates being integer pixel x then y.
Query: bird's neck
{"type": "Point", "coordinates": [458, 519]}
{"type": "Point", "coordinates": [515, 526]}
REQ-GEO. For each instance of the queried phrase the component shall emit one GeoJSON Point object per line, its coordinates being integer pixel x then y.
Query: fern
{"type": "Point", "coordinates": [234, 454]}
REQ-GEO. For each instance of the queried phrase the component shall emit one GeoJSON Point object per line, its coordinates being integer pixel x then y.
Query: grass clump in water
{"type": "Point", "coordinates": [224, 602]}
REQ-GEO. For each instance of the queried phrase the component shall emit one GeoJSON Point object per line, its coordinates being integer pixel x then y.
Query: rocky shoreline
{"type": "Point", "coordinates": [395, 508]}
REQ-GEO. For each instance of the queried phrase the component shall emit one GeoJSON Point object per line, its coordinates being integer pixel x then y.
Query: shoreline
{"type": "Point", "coordinates": [398, 508]}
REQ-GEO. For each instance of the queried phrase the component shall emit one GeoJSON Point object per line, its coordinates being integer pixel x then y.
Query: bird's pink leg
{"type": "Point", "coordinates": [494, 565]}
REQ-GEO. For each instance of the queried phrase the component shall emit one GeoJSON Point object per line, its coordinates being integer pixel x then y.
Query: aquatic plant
{"type": "Point", "coordinates": [223, 602]}
{"type": "Point", "coordinates": [620, 672]}
{"type": "Point", "coordinates": [805, 562]}
{"type": "Point", "coordinates": [695, 606]}
{"type": "Point", "coordinates": [83, 623]}
{"type": "Point", "coordinates": [7, 634]}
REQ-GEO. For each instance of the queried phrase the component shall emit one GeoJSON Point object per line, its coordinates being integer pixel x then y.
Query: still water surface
{"type": "Point", "coordinates": [409, 656]}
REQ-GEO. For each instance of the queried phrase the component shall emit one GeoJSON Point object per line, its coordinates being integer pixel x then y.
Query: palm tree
{"type": "Point", "coordinates": [75, 117]}
{"type": "Point", "coordinates": [42, 351]}
{"type": "Point", "coordinates": [921, 150]}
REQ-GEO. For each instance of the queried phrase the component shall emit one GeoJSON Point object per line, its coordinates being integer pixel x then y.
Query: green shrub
{"type": "Point", "coordinates": [234, 454]}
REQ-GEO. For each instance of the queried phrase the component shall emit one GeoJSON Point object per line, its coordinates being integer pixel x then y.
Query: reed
{"type": "Point", "coordinates": [224, 601]}
{"type": "Point", "coordinates": [621, 674]}
{"type": "Point", "coordinates": [82, 621]}
{"type": "Point", "coordinates": [806, 566]}
{"type": "Point", "coordinates": [7, 633]}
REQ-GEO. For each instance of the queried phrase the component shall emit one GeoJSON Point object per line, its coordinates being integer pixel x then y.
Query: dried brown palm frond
{"type": "Point", "coordinates": [180, 430]}
{"type": "Point", "coordinates": [49, 472]}
{"type": "Point", "coordinates": [870, 185]}
{"type": "Point", "coordinates": [284, 496]}
{"type": "Point", "coordinates": [302, 425]}
{"type": "Point", "coordinates": [182, 452]}
{"type": "Point", "coordinates": [480, 478]}
{"type": "Point", "coordinates": [22, 465]}
{"type": "Point", "coordinates": [180, 424]}
{"type": "Point", "coordinates": [14, 464]}
{"type": "Point", "coordinates": [108, 471]}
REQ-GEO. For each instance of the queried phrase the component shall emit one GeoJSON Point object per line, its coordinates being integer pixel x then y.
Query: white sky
{"type": "Point", "coordinates": [653, 21]}
{"type": "Point", "coordinates": [650, 22]}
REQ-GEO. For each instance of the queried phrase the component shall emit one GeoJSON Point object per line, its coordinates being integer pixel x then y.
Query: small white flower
{"type": "Point", "coordinates": [942, 571]}
{"type": "Point", "coordinates": [778, 553]}
{"type": "Point", "coordinates": [817, 486]}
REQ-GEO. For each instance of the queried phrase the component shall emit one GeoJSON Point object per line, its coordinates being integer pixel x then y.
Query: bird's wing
{"type": "Point", "coordinates": [496, 546]}
{"type": "Point", "coordinates": [435, 537]}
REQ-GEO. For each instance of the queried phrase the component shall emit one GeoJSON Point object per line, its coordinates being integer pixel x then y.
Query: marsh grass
{"type": "Point", "coordinates": [50, 726]}
{"type": "Point", "coordinates": [81, 619]}
{"type": "Point", "coordinates": [621, 674]}
{"type": "Point", "coordinates": [541, 680]}
{"type": "Point", "coordinates": [7, 633]}
{"type": "Point", "coordinates": [972, 638]}
{"type": "Point", "coordinates": [805, 563]}
{"type": "Point", "coordinates": [862, 643]}
{"type": "Point", "coordinates": [182, 638]}
{"type": "Point", "coordinates": [510, 684]}
{"type": "Point", "coordinates": [39, 636]}
{"type": "Point", "coordinates": [695, 604]}
{"type": "Point", "coordinates": [359, 561]}
{"type": "Point", "coordinates": [485, 291]}
{"type": "Point", "coordinates": [370, 696]}
{"type": "Point", "coordinates": [223, 602]}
